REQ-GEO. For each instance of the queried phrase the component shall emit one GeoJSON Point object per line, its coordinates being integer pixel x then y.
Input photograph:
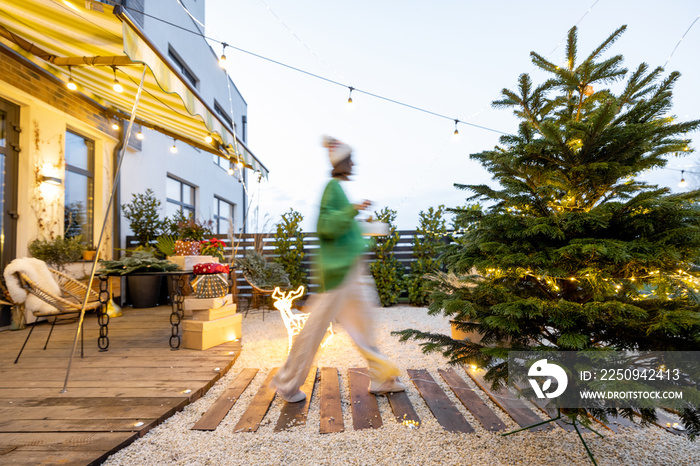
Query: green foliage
{"type": "Point", "coordinates": [139, 260]}
{"type": "Point", "coordinates": [572, 251]}
{"type": "Point", "coordinates": [187, 227]}
{"type": "Point", "coordinates": [386, 270]}
{"type": "Point", "coordinates": [289, 247]}
{"type": "Point", "coordinates": [57, 252]}
{"type": "Point", "coordinates": [431, 231]}
{"type": "Point", "coordinates": [142, 214]}
{"type": "Point", "coordinates": [263, 274]}
{"type": "Point", "coordinates": [166, 244]}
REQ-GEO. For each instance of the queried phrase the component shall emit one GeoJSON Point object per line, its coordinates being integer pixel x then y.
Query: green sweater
{"type": "Point", "coordinates": [341, 241]}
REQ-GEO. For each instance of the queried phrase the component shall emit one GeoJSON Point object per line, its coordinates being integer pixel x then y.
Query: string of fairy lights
{"type": "Point", "coordinates": [351, 89]}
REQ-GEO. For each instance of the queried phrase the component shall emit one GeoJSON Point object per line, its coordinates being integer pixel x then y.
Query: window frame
{"type": "Point", "coordinates": [182, 205]}
{"type": "Point", "coordinates": [89, 174]}
{"type": "Point", "coordinates": [216, 215]}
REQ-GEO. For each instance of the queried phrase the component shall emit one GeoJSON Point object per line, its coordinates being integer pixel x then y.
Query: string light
{"type": "Point", "coordinates": [682, 183]}
{"type": "Point", "coordinates": [173, 149]}
{"type": "Point", "coordinates": [208, 138]}
{"type": "Point", "coordinates": [71, 84]}
{"type": "Point", "coordinates": [231, 171]}
{"type": "Point", "coordinates": [139, 136]}
{"type": "Point", "coordinates": [222, 60]}
{"type": "Point", "coordinates": [350, 95]}
{"type": "Point", "coordinates": [116, 86]}
{"type": "Point", "coordinates": [456, 133]}
{"type": "Point", "coordinates": [115, 126]}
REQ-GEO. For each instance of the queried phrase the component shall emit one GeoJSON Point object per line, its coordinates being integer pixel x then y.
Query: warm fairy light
{"type": "Point", "coordinates": [231, 171]}
{"type": "Point", "coordinates": [208, 139]}
{"type": "Point", "coordinates": [139, 136]}
{"type": "Point", "coordinates": [173, 149]}
{"type": "Point", "coordinates": [71, 84]}
{"type": "Point", "coordinates": [350, 95]}
{"type": "Point", "coordinates": [455, 135]}
{"type": "Point", "coordinates": [682, 183]}
{"type": "Point", "coordinates": [115, 126]}
{"type": "Point", "coordinates": [222, 60]}
{"type": "Point", "coordinates": [118, 88]}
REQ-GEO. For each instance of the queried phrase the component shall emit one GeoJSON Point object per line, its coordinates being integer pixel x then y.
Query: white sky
{"type": "Point", "coordinates": [450, 57]}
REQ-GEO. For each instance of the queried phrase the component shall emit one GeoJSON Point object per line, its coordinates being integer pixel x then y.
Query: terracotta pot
{"type": "Point", "coordinates": [457, 334]}
{"type": "Point", "coordinates": [89, 255]}
{"type": "Point", "coordinates": [187, 248]}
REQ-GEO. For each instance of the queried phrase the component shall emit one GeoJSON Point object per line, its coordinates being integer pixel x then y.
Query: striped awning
{"type": "Point", "coordinates": [91, 41]}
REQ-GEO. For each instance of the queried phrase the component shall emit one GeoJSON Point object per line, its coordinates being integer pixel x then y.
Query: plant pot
{"type": "Point", "coordinates": [187, 248]}
{"type": "Point", "coordinates": [144, 290]}
{"type": "Point", "coordinates": [457, 334]}
{"type": "Point", "coordinates": [89, 255]}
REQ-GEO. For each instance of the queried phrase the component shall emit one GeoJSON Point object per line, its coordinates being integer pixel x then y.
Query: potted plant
{"type": "Point", "coordinates": [89, 252]}
{"type": "Point", "coordinates": [57, 252]}
{"type": "Point", "coordinates": [144, 289]}
{"type": "Point", "coordinates": [142, 214]}
{"type": "Point", "coordinates": [213, 247]}
{"type": "Point", "coordinates": [189, 232]}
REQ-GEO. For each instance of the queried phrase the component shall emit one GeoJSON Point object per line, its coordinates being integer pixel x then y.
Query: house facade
{"type": "Point", "coordinates": [60, 148]}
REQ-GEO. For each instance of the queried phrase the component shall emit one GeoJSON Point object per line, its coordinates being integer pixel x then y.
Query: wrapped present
{"type": "Point", "coordinates": [212, 285]}
{"type": "Point", "coordinates": [210, 267]}
{"type": "Point", "coordinates": [187, 248]}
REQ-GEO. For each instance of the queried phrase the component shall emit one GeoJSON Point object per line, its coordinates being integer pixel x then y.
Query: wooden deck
{"type": "Point", "coordinates": [113, 397]}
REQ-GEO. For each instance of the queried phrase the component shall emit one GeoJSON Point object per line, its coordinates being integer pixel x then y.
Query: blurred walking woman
{"type": "Point", "coordinates": [346, 297]}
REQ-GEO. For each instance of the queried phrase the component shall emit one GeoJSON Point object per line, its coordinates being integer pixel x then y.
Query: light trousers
{"type": "Point", "coordinates": [349, 304]}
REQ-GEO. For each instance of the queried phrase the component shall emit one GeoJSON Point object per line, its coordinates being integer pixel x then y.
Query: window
{"type": "Point", "coordinates": [180, 197]}
{"type": "Point", "coordinates": [182, 67]}
{"type": "Point", "coordinates": [80, 181]}
{"type": "Point", "coordinates": [223, 215]}
{"type": "Point", "coordinates": [223, 114]}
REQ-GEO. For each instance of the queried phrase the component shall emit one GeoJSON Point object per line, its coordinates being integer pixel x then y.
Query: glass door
{"type": "Point", "coordinates": [9, 155]}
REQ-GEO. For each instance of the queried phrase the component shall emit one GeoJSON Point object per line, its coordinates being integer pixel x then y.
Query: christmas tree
{"type": "Point", "coordinates": [572, 251]}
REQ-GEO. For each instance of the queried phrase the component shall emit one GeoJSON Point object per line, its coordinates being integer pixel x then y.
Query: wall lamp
{"type": "Point", "coordinates": [51, 180]}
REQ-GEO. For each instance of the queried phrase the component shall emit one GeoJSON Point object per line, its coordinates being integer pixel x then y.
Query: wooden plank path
{"type": "Point", "coordinates": [472, 402]}
{"type": "Point", "coordinates": [440, 405]}
{"type": "Point", "coordinates": [509, 403]}
{"type": "Point", "coordinates": [294, 414]}
{"type": "Point", "coordinates": [254, 415]}
{"type": "Point", "coordinates": [113, 397]}
{"type": "Point", "coordinates": [331, 407]}
{"type": "Point", "coordinates": [365, 411]}
{"type": "Point", "coordinates": [218, 411]}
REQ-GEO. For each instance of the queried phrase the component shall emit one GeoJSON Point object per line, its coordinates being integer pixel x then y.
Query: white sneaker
{"type": "Point", "coordinates": [294, 397]}
{"type": "Point", "coordinates": [390, 385]}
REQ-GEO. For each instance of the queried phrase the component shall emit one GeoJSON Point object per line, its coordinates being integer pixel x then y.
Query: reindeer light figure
{"type": "Point", "coordinates": [294, 321]}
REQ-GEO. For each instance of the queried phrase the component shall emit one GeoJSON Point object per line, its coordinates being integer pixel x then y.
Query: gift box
{"type": "Point", "coordinates": [209, 268]}
{"type": "Point", "coordinates": [187, 248]}
{"type": "Point", "coordinates": [210, 286]}
{"type": "Point", "coordinates": [201, 335]}
{"type": "Point", "coordinates": [214, 313]}
{"type": "Point", "coordinates": [193, 303]}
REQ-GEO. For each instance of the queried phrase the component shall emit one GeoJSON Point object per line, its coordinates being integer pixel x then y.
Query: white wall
{"type": "Point", "coordinates": [150, 167]}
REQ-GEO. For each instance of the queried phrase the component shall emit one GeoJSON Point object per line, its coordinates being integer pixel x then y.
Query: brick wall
{"type": "Point", "coordinates": [45, 87]}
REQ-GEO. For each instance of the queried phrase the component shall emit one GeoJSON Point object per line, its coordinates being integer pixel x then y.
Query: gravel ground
{"type": "Point", "coordinates": [265, 347]}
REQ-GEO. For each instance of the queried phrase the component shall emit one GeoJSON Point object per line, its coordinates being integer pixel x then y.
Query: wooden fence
{"type": "Point", "coordinates": [264, 243]}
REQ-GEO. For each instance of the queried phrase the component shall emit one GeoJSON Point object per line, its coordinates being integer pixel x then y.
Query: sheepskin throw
{"type": "Point", "coordinates": [39, 273]}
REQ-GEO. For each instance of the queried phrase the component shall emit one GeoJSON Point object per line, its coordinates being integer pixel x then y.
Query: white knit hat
{"type": "Point", "coordinates": [337, 151]}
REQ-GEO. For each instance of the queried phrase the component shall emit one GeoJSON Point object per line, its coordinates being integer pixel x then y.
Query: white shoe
{"type": "Point", "coordinates": [294, 397]}
{"type": "Point", "coordinates": [390, 385]}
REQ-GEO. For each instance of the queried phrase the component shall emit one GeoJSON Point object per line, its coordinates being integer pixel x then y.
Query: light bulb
{"type": "Point", "coordinates": [455, 135]}
{"type": "Point", "coordinates": [350, 95]}
{"type": "Point", "coordinates": [682, 183]}
{"type": "Point", "coordinates": [71, 84]}
{"type": "Point", "coordinates": [139, 136]}
{"type": "Point", "coordinates": [116, 86]}
{"type": "Point", "coordinates": [208, 138]}
{"type": "Point", "coordinates": [115, 126]}
{"type": "Point", "coordinates": [173, 149]}
{"type": "Point", "coordinates": [222, 60]}
{"type": "Point", "coordinates": [231, 171]}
